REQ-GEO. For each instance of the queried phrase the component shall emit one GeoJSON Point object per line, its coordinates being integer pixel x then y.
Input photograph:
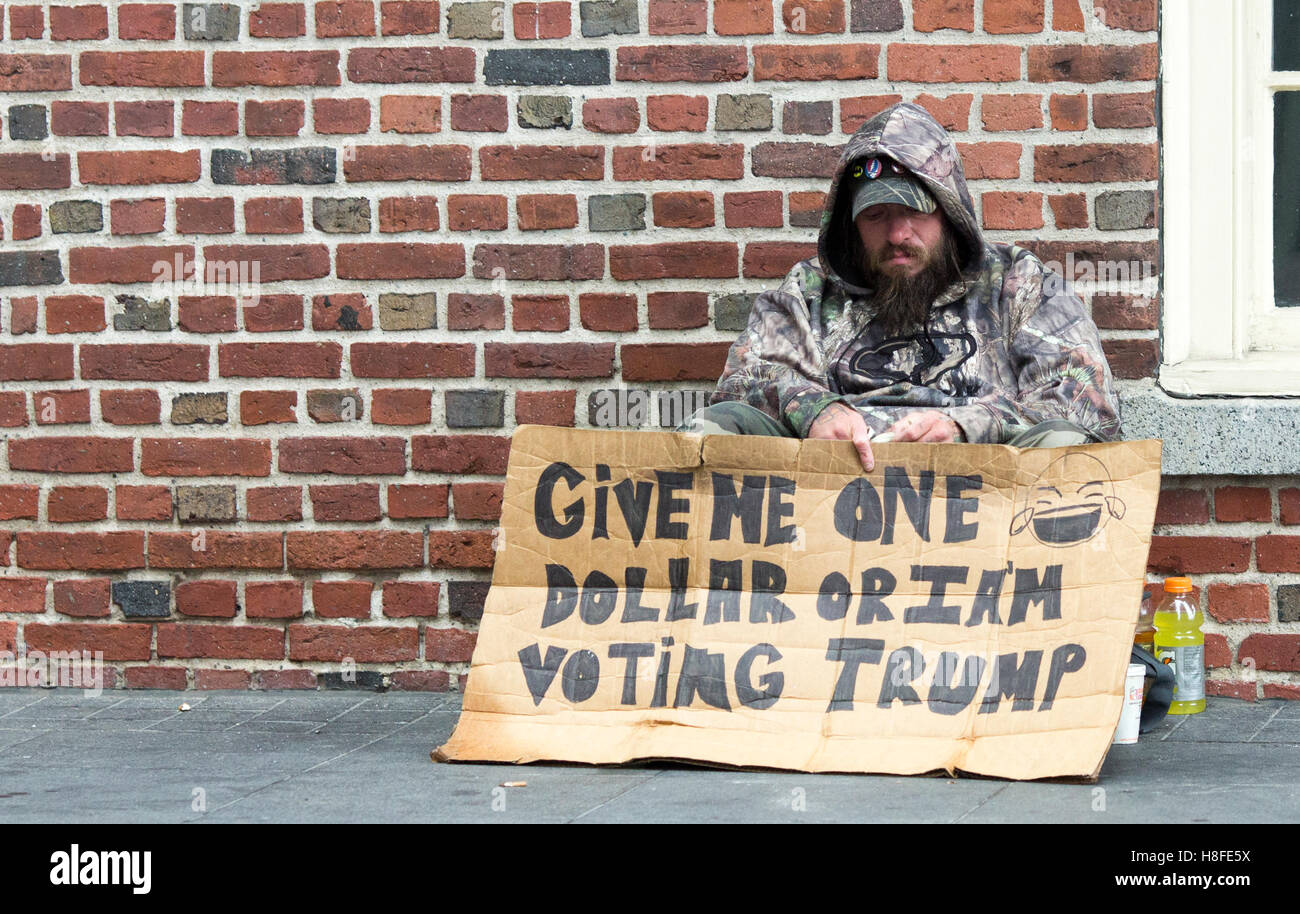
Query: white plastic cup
{"type": "Point", "coordinates": [1130, 719]}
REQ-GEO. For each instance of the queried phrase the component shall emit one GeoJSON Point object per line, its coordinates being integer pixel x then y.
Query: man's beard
{"type": "Point", "coordinates": [903, 302]}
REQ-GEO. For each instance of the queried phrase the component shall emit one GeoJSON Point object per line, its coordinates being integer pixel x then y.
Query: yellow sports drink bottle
{"type": "Point", "coordinates": [1180, 643]}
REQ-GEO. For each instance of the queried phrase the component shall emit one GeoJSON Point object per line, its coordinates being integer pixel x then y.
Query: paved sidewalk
{"type": "Point", "coordinates": [129, 756]}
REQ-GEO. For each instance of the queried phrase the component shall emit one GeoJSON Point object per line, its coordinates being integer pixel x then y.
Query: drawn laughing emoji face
{"type": "Point", "coordinates": [1060, 511]}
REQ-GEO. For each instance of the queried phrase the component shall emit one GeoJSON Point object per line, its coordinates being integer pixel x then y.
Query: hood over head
{"type": "Point", "coordinates": [907, 134]}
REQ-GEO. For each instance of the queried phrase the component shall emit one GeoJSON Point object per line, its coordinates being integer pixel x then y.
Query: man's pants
{"type": "Point", "coordinates": [734, 418]}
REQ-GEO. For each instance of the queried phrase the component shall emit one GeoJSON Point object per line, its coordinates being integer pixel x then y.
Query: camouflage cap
{"type": "Point", "coordinates": [880, 180]}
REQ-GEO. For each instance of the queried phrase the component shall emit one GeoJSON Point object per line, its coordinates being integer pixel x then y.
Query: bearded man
{"type": "Point", "coordinates": [908, 325]}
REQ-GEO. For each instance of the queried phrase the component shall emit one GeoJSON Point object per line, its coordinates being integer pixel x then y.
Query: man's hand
{"type": "Point", "coordinates": [929, 426]}
{"type": "Point", "coordinates": [840, 422]}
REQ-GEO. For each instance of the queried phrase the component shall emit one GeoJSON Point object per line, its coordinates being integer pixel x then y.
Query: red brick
{"type": "Point", "coordinates": [1281, 690]}
{"type": "Point", "coordinates": [1234, 504]}
{"type": "Point", "coordinates": [1183, 506]}
{"type": "Point", "coordinates": [72, 455]}
{"type": "Point", "coordinates": [400, 261]}
{"type": "Point", "coordinates": [1012, 209]}
{"type": "Point", "coordinates": [36, 73]}
{"type": "Point", "coordinates": [1130, 15]}
{"type": "Point", "coordinates": [539, 261]}
{"type": "Point", "coordinates": [341, 599]}
{"type": "Point", "coordinates": [141, 68]}
{"type": "Point", "coordinates": [215, 549]}
{"type": "Point", "coordinates": [933, 15]}
{"type": "Point", "coordinates": [475, 312]}
{"type": "Point", "coordinates": [199, 215]}
{"type": "Point", "coordinates": [477, 454]}
{"type": "Point", "coordinates": [676, 112]}
{"type": "Point", "coordinates": [412, 360]}
{"type": "Point", "coordinates": [813, 17]}
{"type": "Point", "coordinates": [773, 259]}
{"type": "Point", "coordinates": [85, 598]}
{"type": "Point", "coordinates": [1013, 17]}
{"type": "Point", "coordinates": [408, 163]}
{"type": "Point", "coordinates": [1125, 110]}
{"type": "Point", "coordinates": [367, 644]}
{"type": "Point", "coordinates": [408, 17]}
{"type": "Point", "coordinates": [1231, 688]}
{"type": "Point", "coordinates": [1182, 555]}
{"type": "Point", "coordinates": [81, 551]}
{"type": "Point", "coordinates": [673, 361]}
{"type": "Point", "coordinates": [22, 595]}
{"type": "Point", "coordinates": [754, 209]}
{"type": "Point", "coordinates": [674, 260]}
{"type": "Point", "coordinates": [1092, 63]}
{"type": "Point", "coordinates": [406, 502]}
{"type": "Point", "coordinates": [69, 118]}
{"type": "Point", "coordinates": [346, 456]}
{"type": "Point", "coordinates": [74, 314]}
{"type": "Point", "coordinates": [138, 217]}
{"type": "Point", "coordinates": [340, 115]}
{"type": "Point", "coordinates": [22, 315]}
{"type": "Point", "coordinates": [222, 679]}
{"type": "Point", "coordinates": [1011, 112]}
{"type": "Point", "coordinates": [678, 310]}
{"type": "Point", "coordinates": [208, 314]}
{"type": "Point", "coordinates": [547, 163]}
{"type": "Point", "coordinates": [144, 362]}
{"type": "Point", "coordinates": [207, 598]}
{"type": "Point", "coordinates": [990, 160]}
{"type": "Point", "coordinates": [1239, 602]}
{"type": "Point", "coordinates": [545, 407]}
{"type": "Point", "coordinates": [285, 679]}
{"type": "Point", "coordinates": [1125, 312]}
{"type": "Point", "coordinates": [611, 115]}
{"type": "Point", "coordinates": [548, 360]}
{"type": "Point", "coordinates": [541, 20]}
{"type": "Point", "coordinates": [19, 502]}
{"type": "Point", "coordinates": [1218, 653]}
{"type": "Point", "coordinates": [349, 18]}
{"type": "Point", "coordinates": [331, 504]}
{"type": "Point", "coordinates": [477, 500]}
{"type": "Point", "coordinates": [540, 312]}
{"type": "Point", "coordinates": [683, 209]}
{"type": "Point", "coordinates": [952, 112]}
{"type": "Point", "coordinates": [449, 645]}
{"type": "Point", "coordinates": [1278, 553]}
{"type": "Point", "coordinates": [61, 407]}
{"type": "Point", "coordinates": [84, 22]}
{"type": "Point", "coordinates": [612, 312]}
{"type": "Point", "coordinates": [476, 212]}
{"type": "Point", "coordinates": [143, 502]}
{"type": "Point", "coordinates": [274, 312]}
{"type": "Point", "coordinates": [677, 17]}
{"type": "Point", "coordinates": [151, 118]}
{"type": "Point", "coordinates": [174, 678]}
{"type": "Point", "coordinates": [262, 407]}
{"type": "Point", "coordinates": [1069, 112]}
{"type": "Point", "coordinates": [279, 360]}
{"type": "Point", "coordinates": [205, 457]}
{"type": "Point", "coordinates": [254, 642]}
{"type": "Point", "coordinates": [347, 311]}
{"type": "Point", "coordinates": [408, 214]}
{"type": "Point", "coordinates": [742, 17]}
{"type": "Point", "coordinates": [26, 22]}
{"type": "Point", "coordinates": [153, 166]}
{"type": "Point", "coordinates": [277, 261]}
{"type": "Point", "coordinates": [74, 504]}
{"type": "Point", "coordinates": [1289, 506]}
{"type": "Point", "coordinates": [374, 549]}
{"type": "Point", "coordinates": [26, 221]}
{"type": "Point", "coordinates": [116, 642]}
{"type": "Point", "coordinates": [1132, 358]}
{"type": "Point", "coordinates": [410, 113]}
{"type": "Point", "coordinates": [1069, 210]}
{"type": "Point", "coordinates": [273, 599]}
{"type": "Point", "coordinates": [134, 264]}
{"type": "Point", "coordinates": [209, 118]}
{"type": "Point", "coordinates": [274, 503]}
{"type": "Point", "coordinates": [546, 211]}
{"type": "Point", "coordinates": [273, 216]}
{"type": "Point", "coordinates": [816, 62]}
{"type": "Point", "coordinates": [480, 113]}
{"type": "Point", "coordinates": [275, 68]}
{"type": "Point", "coordinates": [282, 117]}
{"type": "Point", "coordinates": [404, 599]}
{"type": "Point", "coordinates": [400, 407]}
{"type": "Point", "coordinates": [277, 20]}
{"type": "Point", "coordinates": [461, 549]}
{"type": "Point", "coordinates": [404, 64]}
{"type": "Point", "coordinates": [1271, 652]}
{"type": "Point", "coordinates": [420, 681]}
{"type": "Point", "coordinates": [965, 63]}
{"type": "Point", "coordinates": [1067, 16]}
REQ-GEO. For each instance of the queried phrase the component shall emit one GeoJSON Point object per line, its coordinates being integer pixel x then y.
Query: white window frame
{"type": "Point", "coordinates": [1221, 333]}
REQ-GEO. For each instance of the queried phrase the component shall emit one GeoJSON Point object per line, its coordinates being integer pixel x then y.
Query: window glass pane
{"type": "Point", "coordinates": [1286, 34]}
{"type": "Point", "coordinates": [1286, 199]}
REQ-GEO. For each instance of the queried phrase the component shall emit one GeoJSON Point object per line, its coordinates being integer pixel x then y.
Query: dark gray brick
{"type": "Point", "coordinates": [75, 216]}
{"type": "Point", "coordinates": [143, 599]}
{"type": "Point", "coordinates": [28, 122]}
{"type": "Point", "coordinates": [138, 314]}
{"type": "Point", "coordinates": [349, 214]}
{"type": "Point", "coordinates": [310, 165]}
{"type": "Point", "coordinates": [1126, 209]}
{"type": "Point", "coordinates": [465, 599]}
{"type": "Point", "coordinates": [360, 680]}
{"type": "Point", "coordinates": [616, 212]}
{"type": "Point", "coordinates": [731, 312]}
{"type": "Point", "coordinates": [205, 504]}
{"type": "Point", "coordinates": [30, 268]}
{"type": "Point", "coordinates": [546, 67]}
{"type": "Point", "coordinates": [546, 111]}
{"type": "Point", "coordinates": [608, 17]}
{"type": "Point", "coordinates": [199, 409]}
{"type": "Point", "coordinates": [210, 21]}
{"type": "Point", "coordinates": [875, 16]}
{"type": "Point", "coordinates": [1288, 603]}
{"type": "Point", "coordinates": [475, 408]}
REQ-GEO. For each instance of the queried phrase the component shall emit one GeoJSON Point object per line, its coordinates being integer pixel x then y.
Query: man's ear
{"type": "Point", "coordinates": [1115, 505]}
{"type": "Point", "coordinates": [1021, 520]}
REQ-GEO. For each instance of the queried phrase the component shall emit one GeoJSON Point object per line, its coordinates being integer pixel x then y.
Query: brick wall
{"type": "Point", "coordinates": [461, 216]}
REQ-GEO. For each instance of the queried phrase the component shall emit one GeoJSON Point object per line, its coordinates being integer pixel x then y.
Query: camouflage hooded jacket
{"type": "Point", "coordinates": [1006, 347]}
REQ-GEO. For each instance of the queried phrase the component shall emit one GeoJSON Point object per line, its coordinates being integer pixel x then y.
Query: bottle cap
{"type": "Point", "coordinates": [1178, 585]}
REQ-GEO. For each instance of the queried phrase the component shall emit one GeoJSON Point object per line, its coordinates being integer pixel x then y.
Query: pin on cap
{"type": "Point", "coordinates": [883, 181]}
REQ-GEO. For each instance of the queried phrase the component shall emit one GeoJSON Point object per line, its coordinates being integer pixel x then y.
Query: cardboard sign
{"type": "Point", "coordinates": [763, 602]}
